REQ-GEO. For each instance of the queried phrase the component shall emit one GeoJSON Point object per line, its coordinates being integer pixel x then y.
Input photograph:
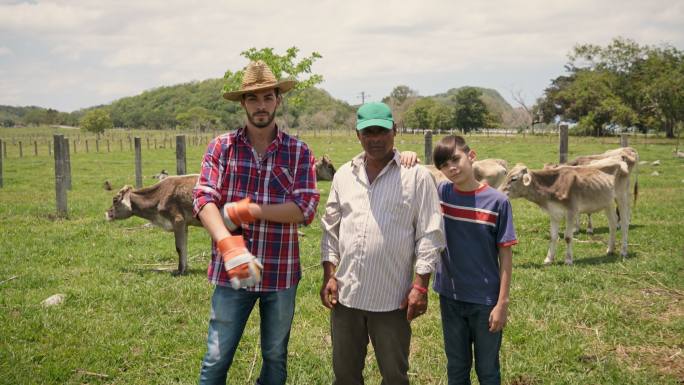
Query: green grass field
{"type": "Point", "coordinates": [126, 320]}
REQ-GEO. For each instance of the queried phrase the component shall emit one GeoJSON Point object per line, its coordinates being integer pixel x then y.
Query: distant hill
{"type": "Point", "coordinates": [199, 105]}
{"type": "Point", "coordinates": [495, 103]}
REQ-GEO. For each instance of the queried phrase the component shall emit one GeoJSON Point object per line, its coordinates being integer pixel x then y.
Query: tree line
{"type": "Point", "coordinates": [622, 86]}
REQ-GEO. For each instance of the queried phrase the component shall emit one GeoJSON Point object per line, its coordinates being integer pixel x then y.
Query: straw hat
{"type": "Point", "coordinates": [258, 77]}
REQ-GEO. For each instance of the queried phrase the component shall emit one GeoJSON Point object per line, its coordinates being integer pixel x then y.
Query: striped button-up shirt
{"type": "Point", "coordinates": [378, 234]}
{"type": "Point", "coordinates": [232, 170]}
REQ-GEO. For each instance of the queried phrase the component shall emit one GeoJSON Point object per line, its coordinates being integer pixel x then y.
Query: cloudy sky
{"type": "Point", "coordinates": [74, 54]}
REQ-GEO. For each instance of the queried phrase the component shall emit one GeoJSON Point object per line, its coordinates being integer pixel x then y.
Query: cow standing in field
{"type": "Point", "coordinates": [167, 204]}
{"type": "Point", "coordinates": [628, 155]}
{"type": "Point", "coordinates": [492, 171]}
{"type": "Point", "coordinates": [566, 192]}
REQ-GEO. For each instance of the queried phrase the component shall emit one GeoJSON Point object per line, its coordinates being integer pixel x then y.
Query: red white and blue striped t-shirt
{"type": "Point", "coordinates": [232, 170]}
{"type": "Point", "coordinates": [476, 224]}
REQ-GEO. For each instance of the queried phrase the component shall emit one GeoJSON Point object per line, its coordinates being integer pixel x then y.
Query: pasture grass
{"type": "Point", "coordinates": [126, 320]}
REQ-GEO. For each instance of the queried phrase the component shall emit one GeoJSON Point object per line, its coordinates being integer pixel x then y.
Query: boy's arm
{"type": "Point", "coordinates": [499, 315]}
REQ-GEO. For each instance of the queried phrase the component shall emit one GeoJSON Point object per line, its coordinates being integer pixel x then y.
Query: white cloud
{"type": "Point", "coordinates": [116, 48]}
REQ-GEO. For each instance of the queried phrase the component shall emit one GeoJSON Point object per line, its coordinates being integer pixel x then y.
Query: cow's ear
{"type": "Point", "coordinates": [125, 189]}
{"type": "Point", "coordinates": [527, 179]}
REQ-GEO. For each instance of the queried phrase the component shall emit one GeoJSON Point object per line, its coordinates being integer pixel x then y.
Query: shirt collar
{"type": "Point", "coordinates": [242, 135]}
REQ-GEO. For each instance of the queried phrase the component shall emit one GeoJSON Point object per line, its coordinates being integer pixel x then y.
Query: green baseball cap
{"type": "Point", "coordinates": [374, 114]}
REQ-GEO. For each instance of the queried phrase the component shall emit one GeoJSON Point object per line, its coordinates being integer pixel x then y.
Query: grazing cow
{"type": "Point", "coordinates": [568, 191]}
{"type": "Point", "coordinates": [492, 171]}
{"type": "Point", "coordinates": [627, 154]}
{"type": "Point", "coordinates": [324, 169]}
{"type": "Point", "coordinates": [167, 204]}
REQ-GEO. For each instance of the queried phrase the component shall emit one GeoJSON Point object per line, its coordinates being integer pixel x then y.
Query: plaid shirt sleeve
{"type": "Point", "coordinates": [304, 193]}
{"type": "Point", "coordinates": [207, 188]}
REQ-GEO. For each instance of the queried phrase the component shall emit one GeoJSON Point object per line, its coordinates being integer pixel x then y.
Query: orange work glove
{"type": "Point", "coordinates": [236, 213]}
{"type": "Point", "coordinates": [244, 270]}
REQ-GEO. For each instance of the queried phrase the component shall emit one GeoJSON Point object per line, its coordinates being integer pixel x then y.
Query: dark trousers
{"type": "Point", "coordinates": [466, 328]}
{"type": "Point", "coordinates": [390, 334]}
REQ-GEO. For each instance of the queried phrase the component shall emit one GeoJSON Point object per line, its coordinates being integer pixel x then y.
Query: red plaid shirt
{"type": "Point", "coordinates": [231, 171]}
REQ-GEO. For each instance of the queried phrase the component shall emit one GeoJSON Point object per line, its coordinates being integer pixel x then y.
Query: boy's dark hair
{"type": "Point", "coordinates": [445, 148]}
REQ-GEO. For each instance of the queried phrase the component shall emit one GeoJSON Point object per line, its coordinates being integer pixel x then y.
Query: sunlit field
{"type": "Point", "coordinates": [127, 320]}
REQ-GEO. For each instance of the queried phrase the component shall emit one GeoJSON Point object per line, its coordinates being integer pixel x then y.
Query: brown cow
{"type": "Point", "coordinates": [492, 171]}
{"type": "Point", "coordinates": [567, 191]}
{"type": "Point", "coordinates": [324, 168]}
{"type": "Point", "coordinates": [167, 204]}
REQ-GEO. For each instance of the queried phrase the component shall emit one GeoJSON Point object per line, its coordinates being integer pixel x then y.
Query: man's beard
{"type": "Point", "coordinates": [261, 124]}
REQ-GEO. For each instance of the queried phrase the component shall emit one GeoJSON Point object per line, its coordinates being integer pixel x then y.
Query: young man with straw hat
{"type": "Point", "coordinates": [257, 184]}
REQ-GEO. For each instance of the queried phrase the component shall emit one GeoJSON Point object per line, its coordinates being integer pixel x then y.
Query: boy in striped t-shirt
{"type": "Point", "coordinates": [475, 274]}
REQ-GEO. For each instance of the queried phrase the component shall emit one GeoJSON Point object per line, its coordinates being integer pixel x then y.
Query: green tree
{"type": "Point", "coordinates": [622, 83]}
{"type": "Point", "coordinates": [197, 118]}
{"type": "Point", "coordinates": [440, 117]}
{"type": "Point", "coordinates": [471, 112]}
{"type": "Point", "coordinates": [417, 116]}
{"type": "Point", "coordinates": [96, 121]}
{"type": "Point", "coordinates": [285, 65]}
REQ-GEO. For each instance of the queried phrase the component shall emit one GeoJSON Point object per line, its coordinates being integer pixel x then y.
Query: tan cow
{"type": "Point", "coordinates": [167, 204]}
{"type": "Point", "coordinates": [566, 192]}
{"type": "Point", "coordinates": [627, 154]}
{"type": "Point", "coordinates": [493, 171]}
{"type": "Point", "coordinates": [324, 168]}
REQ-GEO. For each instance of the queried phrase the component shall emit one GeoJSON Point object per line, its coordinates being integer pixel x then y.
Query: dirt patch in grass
{"type": "Point", "coordinates": [667, 360]}
{"type": "Point", "coordinates": [524, 380]}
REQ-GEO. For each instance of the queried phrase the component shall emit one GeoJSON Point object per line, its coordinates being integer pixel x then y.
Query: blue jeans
{"type": "Point", "coordinates": [230, 310]}
{"type": "Point", "coordinates": [466, 326]}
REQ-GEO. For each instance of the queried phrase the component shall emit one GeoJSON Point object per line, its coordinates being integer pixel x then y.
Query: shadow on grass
{"type": "Point", "coordinates": [589, 261]}
{"type": "Point", "coordinates": [170, 271]}
{"type": "Point", "coordinates": [604, 230]}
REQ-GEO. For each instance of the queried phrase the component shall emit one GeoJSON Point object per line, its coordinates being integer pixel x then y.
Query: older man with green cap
{"type": "Point", "coordinates": [382, 237]}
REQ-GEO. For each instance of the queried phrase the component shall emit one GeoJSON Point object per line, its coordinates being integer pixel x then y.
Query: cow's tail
{"type": "Point", "coordinates": [636, 179]}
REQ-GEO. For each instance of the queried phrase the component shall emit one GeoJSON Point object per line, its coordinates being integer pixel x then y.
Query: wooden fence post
{"type": "Point", "coordinates": [108, 145]}
{"type": "Point", "coordinates": [21, 150]}
{"type": "Point", "coordinates": [87, 145]}
{"type": "Point", "coordinates": [138, 163]}
{"type": "Point", "coordinates": [155, 143]}
{"type": "Point", "coordinates": [148, 142]}
{"type": "Point", "coordinates": [428, 147]}
{"type": "Point", "coordinates": [60, 185]}
{"type": "Point", "coordinates": [97, 145]}
{"type": "Point", "coordinates": [4, 150]}
{"type": "Point", "coordinates": [67, 162]}
{"type": "Point", "coordinates": [180, 155]}
{"type": "Point", "coordinates": [49, 148]}
{"type": "Point", "coordinates": [624, 142]}
{"type": "Point", "coordinates": [563, 149]}
{"type": "Point", "coordinates": [35, 147]}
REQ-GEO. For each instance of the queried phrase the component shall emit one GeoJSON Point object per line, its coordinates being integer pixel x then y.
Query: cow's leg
{"type": "Point", "coordinates": [590, 225]}
{"type": "Point", "coordinates": [612, 223]}
{"type": "Point", "coordinates": [569, 230]}
{"type": "Point", "coordinates": [551, 254]}
{"type": "Point", "coordinates": [180, 230]}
